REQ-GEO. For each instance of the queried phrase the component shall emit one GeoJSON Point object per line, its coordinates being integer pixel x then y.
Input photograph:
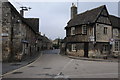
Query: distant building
{"type": "Point", "coordinates": [19, 35]}
{"type": "Point", "coordinates": [56, 43]}
{"type": "Point", "coordinates": [89, 34]}
{"type": "Point", "coordinates": [45, 43]}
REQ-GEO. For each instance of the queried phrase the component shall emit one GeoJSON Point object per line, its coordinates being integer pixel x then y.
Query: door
{"type": "Point", "coordinates": [86, 49]}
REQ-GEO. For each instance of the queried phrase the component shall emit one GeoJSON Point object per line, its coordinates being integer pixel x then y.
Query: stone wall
{"type": "Point", "coordinates": [6, 31]}
{"type": "Point", "coordinates": [21, 39]}
{"type": "Point", "coordinates": [0, 31]}
{"type": "Point", "coordinates": [100, 36]}
{"type": "Point", "coordinates": [94, 50]}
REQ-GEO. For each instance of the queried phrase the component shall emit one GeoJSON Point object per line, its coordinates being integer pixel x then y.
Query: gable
{"type": "Point", "coordinates": [104, 12]}
{"type": "Point", "coordinates": [104, 17]}
{"type": "Point", "coordinates": [87, 17]}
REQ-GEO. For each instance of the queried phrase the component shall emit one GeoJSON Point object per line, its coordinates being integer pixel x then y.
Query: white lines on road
{"type": "Point", "coordinates": [67, 64]}
{"type": "Point", "coordinates": [59, 74]}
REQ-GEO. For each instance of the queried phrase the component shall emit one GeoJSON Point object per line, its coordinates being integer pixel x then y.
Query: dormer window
{"type": "Point", "coordinates": [84, 29]}
{"type": "Point", "coordinates": [72, 30]}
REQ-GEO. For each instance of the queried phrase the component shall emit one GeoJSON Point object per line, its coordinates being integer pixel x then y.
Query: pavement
{"type": "Point", "coordinates": [95, 59]}
{"type": "Point", "coordinates": [8, 67]}
{"type": "Point", "coordinates": [52, 65]}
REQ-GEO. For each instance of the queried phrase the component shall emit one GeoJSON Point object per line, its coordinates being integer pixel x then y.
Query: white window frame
{"type": "Point", "coordinates": [73, 47]}
{"type": "Point", "coordinates": [117, 47]}
{"type": "Point", "coordinates": [115, 32]}
{"type": "Point", "coordinates": [72, 30]}
{"type": "Point", "coordinates": [84, 29]}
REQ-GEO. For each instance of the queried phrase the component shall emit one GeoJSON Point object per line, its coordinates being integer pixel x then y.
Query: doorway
{"type": "Point", "coordinates": [86, 49]}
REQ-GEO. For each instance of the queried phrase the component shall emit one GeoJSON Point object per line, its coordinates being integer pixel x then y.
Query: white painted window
{"type": "Point", "coordinates": [117, 45]}
{"type": "Point", "coordinates": [115, 32]}
{"type": "Point", "coordinates": [84, 29]}
{"type": "Point", "coordinates": [72, 30]}
{"type": "Point", "coordinates": [73, 47]}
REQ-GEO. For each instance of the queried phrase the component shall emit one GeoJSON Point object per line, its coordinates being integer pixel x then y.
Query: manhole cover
{"type": "Point", "coordinates": [47, 68]}
{"type": "Point", "coordinates": [17, 72]}
{"type": "Point", "coordinates": [47, 74]}
{"type": "Point", "coordinates": [15, 64]}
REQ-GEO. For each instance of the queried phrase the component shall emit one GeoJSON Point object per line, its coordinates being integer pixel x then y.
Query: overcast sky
{"type": "Point", "coordinates": [55, 15]}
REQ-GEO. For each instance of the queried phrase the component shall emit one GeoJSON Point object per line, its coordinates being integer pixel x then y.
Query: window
{"type": "Point", "coordinates": [115, 32]}
{"type": "Point", "coordinates": [73, 31]}
{"type": "Point", "coordinates": [105, 30]}
{"type": "Point", "coordinates": [73, 47]}
{"type": "Point", "coordinates": [84, 29]}
{"type": "Point", "coordinates": [105, 47]}
{"type": "Point", "coordinates": [117, 45]}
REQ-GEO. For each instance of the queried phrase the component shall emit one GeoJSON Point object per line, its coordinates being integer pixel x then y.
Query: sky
{"type": "Point", "coordinates": [55, 15]}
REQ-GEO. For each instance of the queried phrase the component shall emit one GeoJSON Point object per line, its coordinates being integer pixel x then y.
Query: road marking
{"type": "Point", "coordinates": [93, 74]}
{"type": "Point", "coordinates": [65, 67]}
{"type": "Point", "coordinates": [21, 67]}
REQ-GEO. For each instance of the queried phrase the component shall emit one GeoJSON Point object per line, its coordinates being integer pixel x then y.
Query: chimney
{"type": "Point", "coordinates": [24, 9]}
{"type": "Point", "coordinates": [21, 12]}
{"type": "Point", "coordinates": [73, 10]}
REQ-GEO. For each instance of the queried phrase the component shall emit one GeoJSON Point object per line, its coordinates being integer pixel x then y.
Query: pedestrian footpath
{"type": "Point", "coordinates": [94, 59]}
{"type": "Point", "coordinates": [8, 67]}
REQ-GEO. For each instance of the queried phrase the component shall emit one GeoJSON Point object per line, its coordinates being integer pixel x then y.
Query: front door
{"type": "Point", "coordinates": [86, 49]}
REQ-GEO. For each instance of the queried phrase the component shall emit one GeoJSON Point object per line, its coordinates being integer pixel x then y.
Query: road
{"type": "Point", "coordinates": [53, 65]}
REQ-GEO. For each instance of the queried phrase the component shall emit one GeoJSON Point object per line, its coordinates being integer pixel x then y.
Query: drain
{"type": "Point", "coordinates": [47, 74]}
{"type": "Point", "coordinates": [17, 72]}
{"type": "Point", "coordinates": [47, 68]}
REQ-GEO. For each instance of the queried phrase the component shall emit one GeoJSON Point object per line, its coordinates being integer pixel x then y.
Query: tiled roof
{"type": "Point", "coordinates": [89, 16]}
{"type": "Point", "coordinates": [115, 21]}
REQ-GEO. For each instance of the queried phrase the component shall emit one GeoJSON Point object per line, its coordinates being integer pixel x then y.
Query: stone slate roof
{"type": "Point", "coordinates": [34, 22]}
{"type": "Point", "coordinates": [115, 21]}
{"type": "Point", "coordinates": [44, 39]}
{"type": "Point", "coordinates": [89, 16]}
{"type": "Point", "coordinates": [21, 17]}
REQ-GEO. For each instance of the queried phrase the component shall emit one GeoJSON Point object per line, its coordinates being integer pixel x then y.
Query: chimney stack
{"type": "Point", "coordinates": [73, 10]}
{"type": "Point", "coordinates": [24, 9]}
{"type": "Point", "coordinates": [21, 12]}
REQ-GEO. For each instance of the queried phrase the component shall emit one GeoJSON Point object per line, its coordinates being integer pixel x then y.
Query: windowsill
{"type": "Point", "coordinates": [73, 51]}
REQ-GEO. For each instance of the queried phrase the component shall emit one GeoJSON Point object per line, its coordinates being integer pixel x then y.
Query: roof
{"type": "Point", "coordinates": [89, 16]}
{"type": "Point", "coordinates": [115, 21]}
{"type": "Point", "coordinates": [34, 22]}
{"type": "Point", "coordinates": [44, 39]}
{"type": "Point", "coordinates": [21, 17]}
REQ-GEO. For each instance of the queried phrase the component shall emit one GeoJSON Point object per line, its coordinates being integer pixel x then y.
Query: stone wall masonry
{"type": "Point", "coordinates": [0, 31]}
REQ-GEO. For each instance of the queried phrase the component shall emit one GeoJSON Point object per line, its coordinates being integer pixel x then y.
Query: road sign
{"type": "Point", "coordinates": [4, 34]}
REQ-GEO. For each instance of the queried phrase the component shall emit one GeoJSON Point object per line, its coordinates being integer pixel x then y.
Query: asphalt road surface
{"type": "Point", "coordinates": [53, 65]}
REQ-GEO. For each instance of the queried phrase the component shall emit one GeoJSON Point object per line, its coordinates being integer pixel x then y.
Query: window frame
{"type": "Point", "coordinates": [105, 31]}
{"type": "Point", "coordinates": [72, 30]}
{"type": "Point", "coordinates": [117, 47]}
{"type": "Point", "coordinates": [105, 47]}
{"type": "Point", "coordinates": [84, 29]}
{"type": "Point", "coordinates": [73, 47]}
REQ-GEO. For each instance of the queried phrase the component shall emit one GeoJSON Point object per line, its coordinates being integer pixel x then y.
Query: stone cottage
{"type": "Point", "coordinates": [88, 34]}
{"type": "Point", "coordinates": [19, 35]}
